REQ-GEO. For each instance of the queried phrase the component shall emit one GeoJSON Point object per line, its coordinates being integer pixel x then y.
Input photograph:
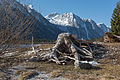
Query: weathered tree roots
{"type": "Point", "coordinates": [68, 48]}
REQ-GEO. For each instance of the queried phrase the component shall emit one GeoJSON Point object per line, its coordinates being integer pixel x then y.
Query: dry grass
{"type": "Point", "coordinates": [106, 71]}
{"type": "Point", "coordinates": [111, 44]}
{"type": "Point", "coordinates": [45, 46]}
{"type": "Point", "coordinates": [27, 75]}
{"type": "Point", "coordinates": [20, 72]}
{"type": "Point", "coordinates": [56, 73]}
{"type": "Point", "coordinates": [2, 74]}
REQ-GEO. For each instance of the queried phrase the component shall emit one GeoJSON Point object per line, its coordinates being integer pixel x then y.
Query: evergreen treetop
{"type": "Point", "coordinates": [115, 21]}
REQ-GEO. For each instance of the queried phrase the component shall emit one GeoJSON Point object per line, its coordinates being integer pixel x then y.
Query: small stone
{"type": "Point", "coordinates": [85, 66]}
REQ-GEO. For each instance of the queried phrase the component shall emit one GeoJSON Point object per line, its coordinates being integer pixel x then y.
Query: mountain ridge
{"type": "Point", "coordinates": [68, 21]}
{"type": "Point", "coordinates": [17, 23]}
{"type": "Point", "coordinates": [21, 22]}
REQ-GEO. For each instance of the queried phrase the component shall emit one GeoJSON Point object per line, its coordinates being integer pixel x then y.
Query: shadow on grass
{"type": "Point", "coordinates": [92, 68]}
{"type": "Point", "coordinates": [88, 66]}
{"type": "Point", "coordinates": [96, 68]}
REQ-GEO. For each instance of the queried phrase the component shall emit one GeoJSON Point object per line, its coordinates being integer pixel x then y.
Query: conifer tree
{"type": "Point", "coordinates": [115, 21]}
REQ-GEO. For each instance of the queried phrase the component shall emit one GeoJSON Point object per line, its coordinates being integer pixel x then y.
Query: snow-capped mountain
{"type": "Point", "coordinates": [67, 19]}
{"type": "Point", "coordinates": [83, 28]}
{"type": "Point", "coordinates": [103, 27]}
{"type": "Point", "coordinates": [20, 22]}
{"type": "Point", "coordinates": [37, 15]}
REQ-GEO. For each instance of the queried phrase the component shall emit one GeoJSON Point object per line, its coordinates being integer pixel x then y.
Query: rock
{"type": "Point", "coordinates": [85, 66]}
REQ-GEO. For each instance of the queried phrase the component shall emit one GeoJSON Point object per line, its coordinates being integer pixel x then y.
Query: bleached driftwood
{"type": "Point", "coordinates": [68, 47]}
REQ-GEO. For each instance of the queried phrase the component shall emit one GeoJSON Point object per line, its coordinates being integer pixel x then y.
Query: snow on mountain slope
{"type": "Point", "coordinates": [103, 27]}
{"type": "Point", "coordinates": [83, 28]}
{"type": "Point", "coordinates": [37, 15]}
{"type": "Point", "coordinates": [26, 21]}
{"type": "Point", "coordinates": [29, 7]}
{"type": "Point", "coordinates": [93, 30]}
{"type": "Point", "coordinates": [24, 9]}
{"type": "Point", "coordinates": [21, 22]}
{"type": "Point", "coordinates": [66, 19]}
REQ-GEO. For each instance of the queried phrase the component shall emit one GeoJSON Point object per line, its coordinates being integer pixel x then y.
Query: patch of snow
{"type": "Point", "coordinates": [44, 76]}
{"type": "Point", "coordinates": [91, 21]}
{"type": "Point", "coordinates": [30, 6]}
{"type": "Point", "coordinates": [10, 53]}
{"type": "Point", "coordinates": [30, 52]}
{"type": "Point", "coordinates": [93, 63]}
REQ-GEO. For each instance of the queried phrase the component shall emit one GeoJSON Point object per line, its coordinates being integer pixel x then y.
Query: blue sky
{"type": "Point", "coordinates": [98, 10]}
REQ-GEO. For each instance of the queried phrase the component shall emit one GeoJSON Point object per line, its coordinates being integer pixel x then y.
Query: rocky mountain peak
{"type": "Point", "coordinates": [65, 19]}
{"type": "Point", "coordinates": [52, 15]}
{"type": "Point", "coordinates": [103, 27]}
{"type": "Point", "coordinates": [83, 28]}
